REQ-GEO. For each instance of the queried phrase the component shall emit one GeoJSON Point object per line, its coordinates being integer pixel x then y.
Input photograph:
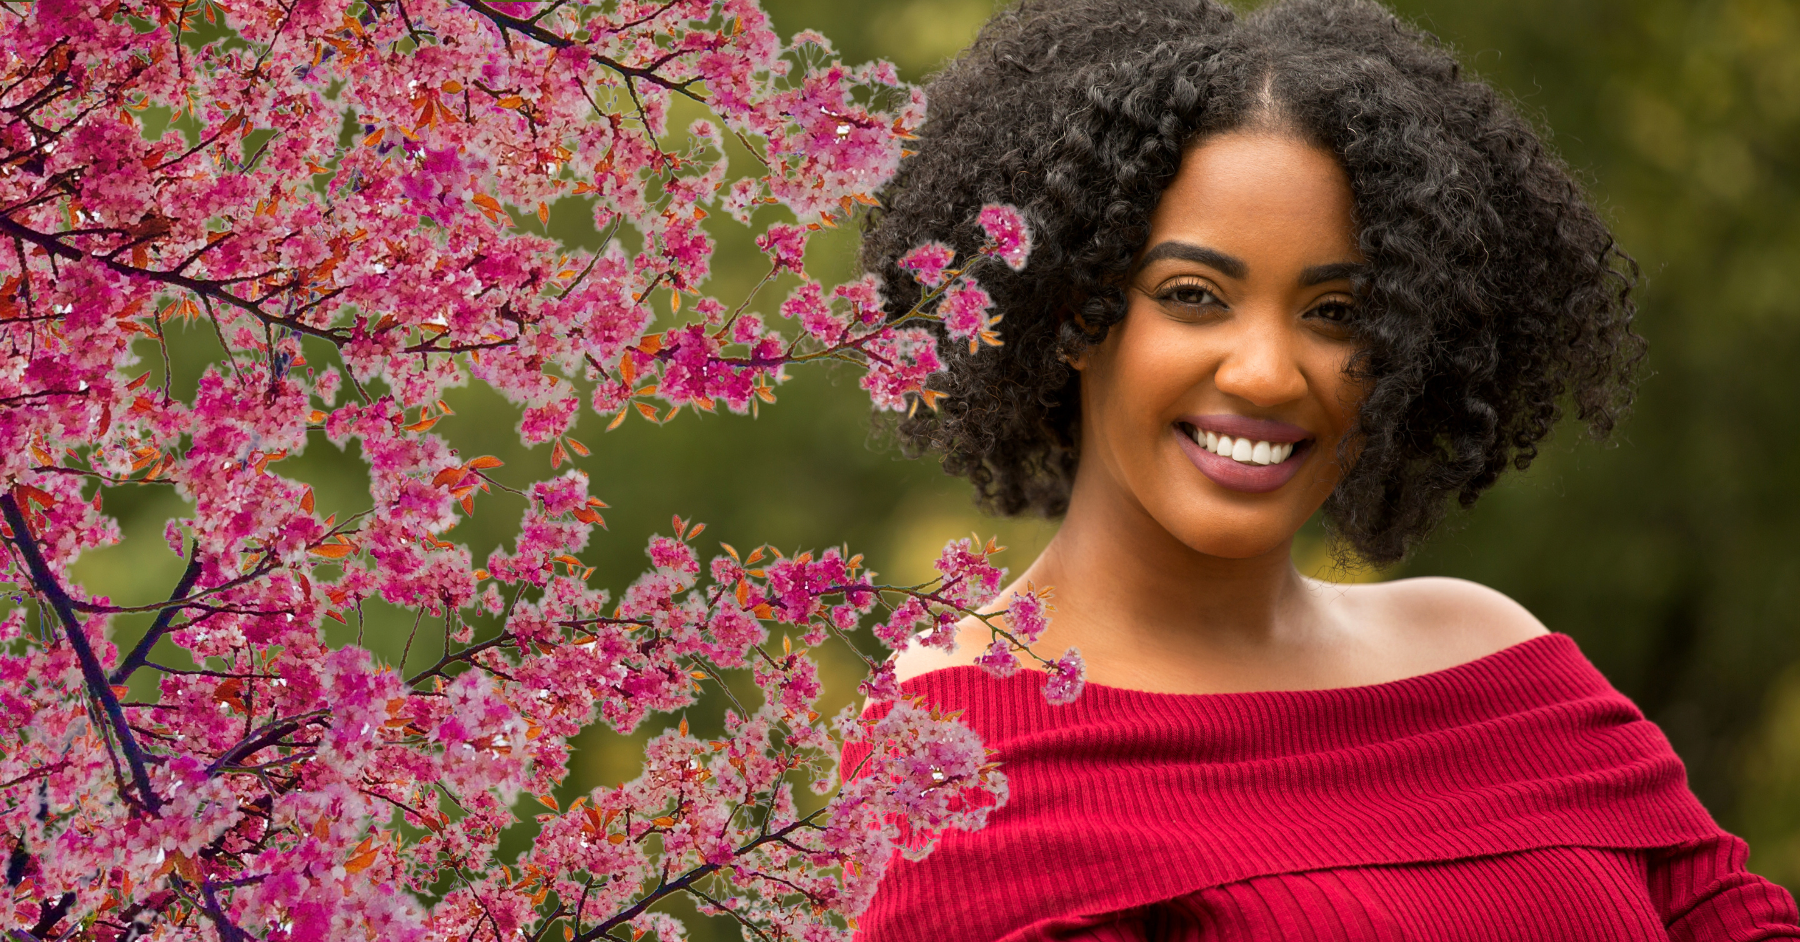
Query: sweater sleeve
{"type": "Point", "coordinates": [1705, 894]}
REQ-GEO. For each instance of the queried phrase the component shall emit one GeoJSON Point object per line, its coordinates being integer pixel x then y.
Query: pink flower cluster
{"type": "Point", "coordinates": [271, 785]}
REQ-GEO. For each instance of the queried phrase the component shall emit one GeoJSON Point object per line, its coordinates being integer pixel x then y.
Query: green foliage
{"type": "Point", "coordinates": [1670, 554]}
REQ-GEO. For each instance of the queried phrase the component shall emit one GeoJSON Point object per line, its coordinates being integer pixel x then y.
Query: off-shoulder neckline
{"type": "Point", "coordinates": [1478, 665]}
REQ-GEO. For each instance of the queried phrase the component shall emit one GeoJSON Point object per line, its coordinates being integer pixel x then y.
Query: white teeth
{"type": "Point", "coordinates": [1243, 449]}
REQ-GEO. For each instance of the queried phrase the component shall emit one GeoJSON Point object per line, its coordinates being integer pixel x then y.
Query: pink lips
{"type": "Point", "coordinates": [1235, 475]}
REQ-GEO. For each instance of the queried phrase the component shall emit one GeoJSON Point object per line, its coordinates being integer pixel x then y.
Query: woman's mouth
{"type": "Point", "coordinates": [1241, 450]}
{"type": "Point", "coordinates": [1248, 461]}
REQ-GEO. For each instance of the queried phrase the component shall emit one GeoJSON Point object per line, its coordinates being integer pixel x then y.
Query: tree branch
{"type": "Point", "coordinates": [164, 618]}
{"type": "Point", "coordinates": [57, 248]}
{"type": "Point", "coordinates": [47, 586]}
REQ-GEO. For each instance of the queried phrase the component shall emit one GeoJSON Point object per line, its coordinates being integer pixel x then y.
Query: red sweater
{"type": "Point", "coordinates": [1518, 796]}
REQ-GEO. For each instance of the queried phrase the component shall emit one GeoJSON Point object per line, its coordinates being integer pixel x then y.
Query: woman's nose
{"type": "Point", "coordinates": [1261, 367]}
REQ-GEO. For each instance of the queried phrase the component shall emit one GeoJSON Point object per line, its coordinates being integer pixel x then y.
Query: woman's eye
{"type": "Point", "coordinates": [1336, 312]}
{"type": "Point", "coordinates": [1189, 295]}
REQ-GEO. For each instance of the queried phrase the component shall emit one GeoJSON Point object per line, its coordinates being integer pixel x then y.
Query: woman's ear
{"type": "Point", "coordinates": [1077, 362]}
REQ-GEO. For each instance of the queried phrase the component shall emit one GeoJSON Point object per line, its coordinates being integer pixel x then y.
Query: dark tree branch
{"type": "Point", "coordinates": [164, 618]}
{"type": "Point", "coordinates": [686, 880]}
{"type": "Point", "coordinates": [57, 248]}
{"type": "Point", "coordinates": [44, 581]}
{"type": "Point", "coordinates": [530, 28]}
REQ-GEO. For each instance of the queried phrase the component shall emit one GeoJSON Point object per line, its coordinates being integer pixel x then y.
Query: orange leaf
{"type": "Point", "coordinates": [543, 214]}
{"type": "Point", "coordinates": [306, 501]}
{"type": "Point", "coordinates": [33, 495]}
{"type": "Point", "coordinates": [646, 409]}
{"type": "Point", "coordinates": [558, 455]}
{"type": "Point", "coordinates": [617, 420]}
{"type": "Point", "coordinates": [453, 87]}
{"type": "Point", "coordinates": [468, 504]}
{"type": "Point", "coordinates": [578, 448]}
{"type": "Point", "coordinates": [421, 425]}
{"type": "Point", "coordinates": [361, 861]}
{"type": "Point", "coordinates": [510, 101]}
{"type": "Point", "coordinates": [763, 611]}
{"type": "Point", "coordinates": [374, 138]}
{"type": "Point", "coordinates": [339, 616]}
{"type": "Point", "coordinates": [651, 344]}
{"type": "Point", "coordinates": [484, 462]}
{"type": "Point", "coordinates": [331, 551]}
{"type": "Point", "coordinates": [229, 693]}
{"type": "Point", "coordinates": [447, 477]}
{"type": "Point", "coordinates": [664, 821]}
{"type": "Point", "coordinates": [548, 801]}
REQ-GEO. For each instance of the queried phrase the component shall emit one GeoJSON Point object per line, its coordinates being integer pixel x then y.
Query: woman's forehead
{"type": "Point", "coordinates": [1258, 194]}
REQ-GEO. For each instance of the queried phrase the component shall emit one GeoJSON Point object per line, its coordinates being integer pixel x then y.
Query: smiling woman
{"type": "Point", "coordinates": [1285, 263]}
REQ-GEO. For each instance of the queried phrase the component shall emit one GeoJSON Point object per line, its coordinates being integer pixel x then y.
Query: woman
{"type": "Point", "coordinates": [1281, 263]}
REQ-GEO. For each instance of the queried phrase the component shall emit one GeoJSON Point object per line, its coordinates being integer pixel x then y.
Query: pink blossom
{"type": "Point", "coordinates": [969, 579]}
{"type": "Point", "coordinates": [807, 304]}
{"type": "Point", "coordinates": [964, 308]}
{"type": "Point", "coordinates": [998, 659]}
{"type": "Point", "coordinates": [928, 262]}
{"type": "Point", "coordinates": [1027, 615]}
{"type": "Point", "coordinates": [1009, 238]}
{"type": "Point", "coordinates": [1066, 677]}
{"type": "Point", "coordinates": [786, 247]}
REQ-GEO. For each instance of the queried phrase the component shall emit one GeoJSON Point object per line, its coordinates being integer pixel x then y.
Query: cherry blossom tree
{"type": "Point", "coordinates": [356, 174]}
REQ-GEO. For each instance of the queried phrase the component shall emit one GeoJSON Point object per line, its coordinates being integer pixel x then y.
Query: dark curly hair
{"type": "Point", "coordinates": [1494, 290]}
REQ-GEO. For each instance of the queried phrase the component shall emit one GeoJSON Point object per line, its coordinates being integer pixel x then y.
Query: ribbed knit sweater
{"type": "Point", "coordinates": [1518, 796]}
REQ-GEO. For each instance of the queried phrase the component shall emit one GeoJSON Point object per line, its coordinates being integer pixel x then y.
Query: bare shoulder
{"type": "Point", "coordinates": [1445, 621]}
{"type": "Point", "coordinates": [917, 659]}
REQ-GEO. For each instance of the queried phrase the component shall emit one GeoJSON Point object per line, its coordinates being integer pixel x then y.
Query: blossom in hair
{"type": "Point", "coordinates": [1008, 238]}
{"type": "Point", "coordinates": [928, 262]}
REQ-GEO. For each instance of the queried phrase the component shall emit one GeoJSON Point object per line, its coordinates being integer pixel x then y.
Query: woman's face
{"type": "Point", "coordinates": [1216, 406]}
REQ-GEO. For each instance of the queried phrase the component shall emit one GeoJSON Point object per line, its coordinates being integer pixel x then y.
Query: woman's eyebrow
{"type": "Point", "coordinates": [1319, 274]}
{"type": "Point", "coordinates": [1226, 264]}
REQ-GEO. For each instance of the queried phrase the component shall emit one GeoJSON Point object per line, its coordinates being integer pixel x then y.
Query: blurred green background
{"type": "Point", "coordinates": [1670, 555]}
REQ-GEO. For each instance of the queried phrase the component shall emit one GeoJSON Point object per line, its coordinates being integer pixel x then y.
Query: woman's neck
{"type": "Point", "coordinates": [1148, 611]}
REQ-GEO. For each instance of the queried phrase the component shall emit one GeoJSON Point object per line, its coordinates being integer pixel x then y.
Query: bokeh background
{"type": "Point", "coordinates": [1670, 555]}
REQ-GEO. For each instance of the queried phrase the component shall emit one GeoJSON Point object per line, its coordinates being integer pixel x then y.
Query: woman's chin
{"type": "Point", "coordinates": [1241, 539]}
